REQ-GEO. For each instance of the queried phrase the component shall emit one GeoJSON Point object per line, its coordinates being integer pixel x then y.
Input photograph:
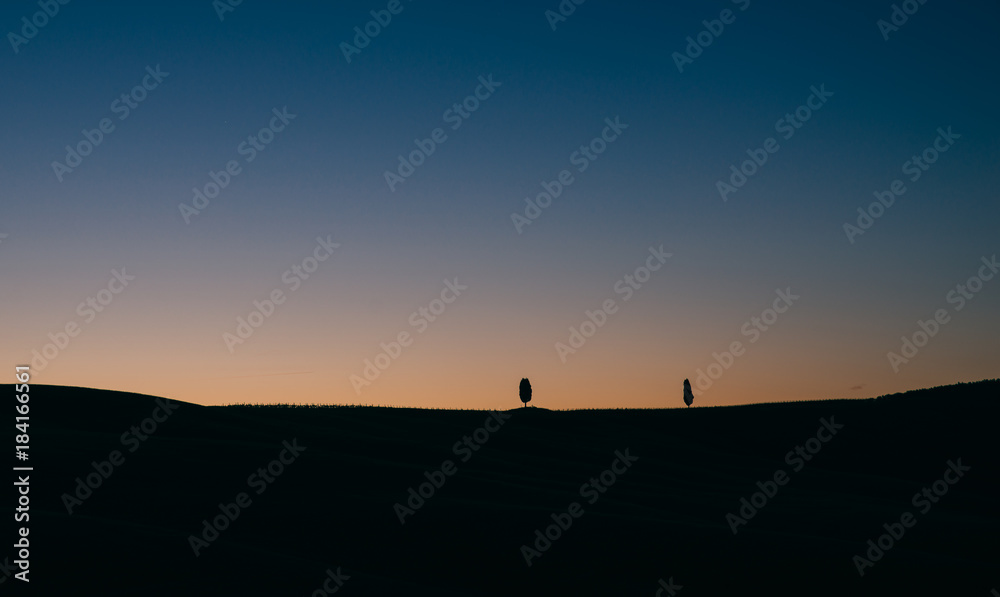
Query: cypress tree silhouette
{"type": "Point", "coordinates": [525, 391]}
{"type": "Point", "coordinates": [688, 395]}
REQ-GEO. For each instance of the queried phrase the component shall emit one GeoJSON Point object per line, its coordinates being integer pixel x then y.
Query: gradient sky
{"type": "Point", "coordinates": [655, 185]}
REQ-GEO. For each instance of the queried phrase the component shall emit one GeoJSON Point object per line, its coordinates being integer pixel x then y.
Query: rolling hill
{"type": "Point", "coordinates": [629, 498]}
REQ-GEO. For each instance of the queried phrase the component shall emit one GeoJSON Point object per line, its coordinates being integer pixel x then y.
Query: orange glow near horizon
{"type": "Point", "coordinates": [462, 363]}
{"type": "Point", "coordinates": [164, 335]}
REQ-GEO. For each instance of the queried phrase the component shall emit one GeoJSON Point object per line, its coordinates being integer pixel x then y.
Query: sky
{"type": "Point", "coordinates": [264, 203]}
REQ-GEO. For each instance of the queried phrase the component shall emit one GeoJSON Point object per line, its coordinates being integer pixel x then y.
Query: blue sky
{"type": "Point", "coordinates": [654, 185]}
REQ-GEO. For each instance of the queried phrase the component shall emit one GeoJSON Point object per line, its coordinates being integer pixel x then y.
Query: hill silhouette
{"type": "Point", "coordinates": [665, 517]}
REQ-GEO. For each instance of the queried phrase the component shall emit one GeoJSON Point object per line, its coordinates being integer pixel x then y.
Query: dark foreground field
{"type": "Point", "coordinates": [331, 507]}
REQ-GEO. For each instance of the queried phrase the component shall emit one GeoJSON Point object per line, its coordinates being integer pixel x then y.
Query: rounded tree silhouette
{"type": "Point", "coordinates": [525, 391]}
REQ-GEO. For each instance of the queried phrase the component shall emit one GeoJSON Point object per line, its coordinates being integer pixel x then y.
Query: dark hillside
{"type": "Point", "coordinates": [664, 516]}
